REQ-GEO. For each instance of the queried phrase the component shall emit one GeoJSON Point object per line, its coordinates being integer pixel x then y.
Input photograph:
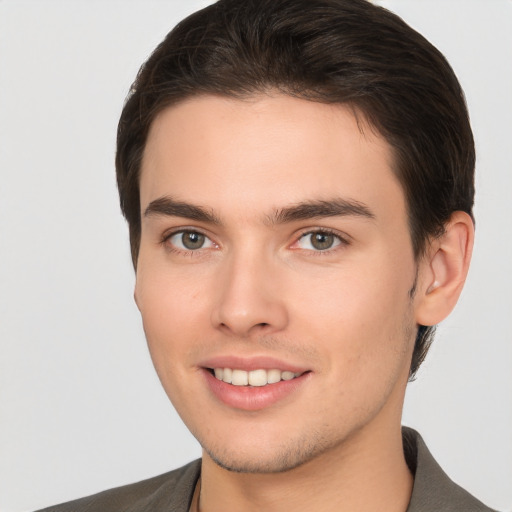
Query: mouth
{"type": "Point", "coordinates": [254, 384]}
{"type": "Point", "coordinates": [254, 378]}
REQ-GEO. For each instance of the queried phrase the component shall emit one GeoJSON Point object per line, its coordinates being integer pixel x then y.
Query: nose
{"type": "Point", "coordinates": [249, 299]}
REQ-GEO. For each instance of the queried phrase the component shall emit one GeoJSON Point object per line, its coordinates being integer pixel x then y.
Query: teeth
{"type": "Point", "coordinates": [254, 377]}
{"type": "Point", "coordinates": [258, 378]}
{"type": "Point", "coordinates": [227, 374]}
{"type": "Point", "coordinates": [239, 378]}
{"type": "Point", "coordinates": [273, 376]}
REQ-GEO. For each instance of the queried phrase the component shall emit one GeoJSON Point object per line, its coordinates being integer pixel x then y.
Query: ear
{"type": "Point", "coordinates": [444, 270]}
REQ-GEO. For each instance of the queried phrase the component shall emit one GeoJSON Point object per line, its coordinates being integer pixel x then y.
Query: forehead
{"type": "Point", "coordinates": [264, 152]}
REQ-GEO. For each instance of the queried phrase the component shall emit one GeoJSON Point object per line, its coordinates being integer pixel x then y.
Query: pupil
{"type": "Point", "coordinates": [322, 241]}
{"type": "Point", "coordinates": [192, 240]}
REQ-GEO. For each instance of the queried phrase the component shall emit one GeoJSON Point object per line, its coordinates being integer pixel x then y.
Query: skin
{"type": "Point", "coordinates": [346, 315]}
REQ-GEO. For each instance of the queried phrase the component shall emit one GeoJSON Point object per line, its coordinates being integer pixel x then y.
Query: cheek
{"type": "Point", "coordinates": [360, 317]}
{"type": "Point", "coordinates": [355, 300]}
{"type": "Point", "coordinates": [173, 319]}
{"type": "Point", "coordinates": [173, 311]}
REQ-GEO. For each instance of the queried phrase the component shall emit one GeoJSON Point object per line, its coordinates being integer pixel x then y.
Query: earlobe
{"type": "Point", "coordinates": [446, 266]}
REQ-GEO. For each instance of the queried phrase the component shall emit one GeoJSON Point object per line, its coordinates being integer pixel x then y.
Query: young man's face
{"type": "Point", "coordinates": [275, 244]}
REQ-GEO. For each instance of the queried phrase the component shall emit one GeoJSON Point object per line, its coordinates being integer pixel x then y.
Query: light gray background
{"type": "Point", "coordinates": [81, 409]}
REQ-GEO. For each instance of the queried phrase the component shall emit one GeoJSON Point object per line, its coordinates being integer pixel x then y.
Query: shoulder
{"type": "Point", "coordinates": [433, 490]}
{"type": "Point", "coordinates": [170, 491]}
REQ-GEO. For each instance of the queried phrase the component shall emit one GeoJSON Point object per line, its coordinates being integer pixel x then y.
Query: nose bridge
{"type": "Point", "coordinates": [248, 298]}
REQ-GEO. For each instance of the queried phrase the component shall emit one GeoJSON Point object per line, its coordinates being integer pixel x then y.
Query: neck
{"type": "Point", "coordinates": [366, 472]}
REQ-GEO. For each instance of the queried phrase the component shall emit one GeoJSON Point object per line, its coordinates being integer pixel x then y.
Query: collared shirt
{"type": "Point", "coordinates": [433, 491]}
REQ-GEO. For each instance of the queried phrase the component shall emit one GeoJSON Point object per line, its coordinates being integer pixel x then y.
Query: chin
{"type": "Point", "coordinates": [256, 460]}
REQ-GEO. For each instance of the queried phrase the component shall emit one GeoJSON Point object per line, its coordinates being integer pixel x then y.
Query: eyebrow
{"type": "Point", "coordinates": [168, 206]}
{"type": "Point", "coordinates": [323, 208]}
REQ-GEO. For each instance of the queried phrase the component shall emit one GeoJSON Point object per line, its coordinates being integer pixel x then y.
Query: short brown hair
{"type": "Point", "coordinates": [330, 51]}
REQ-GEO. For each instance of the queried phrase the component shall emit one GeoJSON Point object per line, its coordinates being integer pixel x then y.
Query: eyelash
{"type": "Point", "coordinates": [187, 252]}
{"type": "Point", "coordinates": [342, 241]}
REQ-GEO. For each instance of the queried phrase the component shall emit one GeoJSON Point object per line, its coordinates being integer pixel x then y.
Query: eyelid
{"type": "Point", "coordinates": [343, 239]}
{"type": "Point", "coordinates": [168, 234]}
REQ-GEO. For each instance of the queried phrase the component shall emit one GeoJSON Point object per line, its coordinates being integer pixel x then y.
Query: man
{"type": "Point", "coordinates": [298, 181]}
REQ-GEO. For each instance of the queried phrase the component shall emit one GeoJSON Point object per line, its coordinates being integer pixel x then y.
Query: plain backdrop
{"type": "Point", "coordinates": [81, 408]}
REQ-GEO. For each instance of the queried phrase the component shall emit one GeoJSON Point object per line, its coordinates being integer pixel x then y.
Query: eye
{"type": "Point", "coordinates": [319, 241]}
{"type": "Point", "coordinates": [190, 241]}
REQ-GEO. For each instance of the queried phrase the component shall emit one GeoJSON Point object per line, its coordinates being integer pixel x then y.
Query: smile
{"type": "Point", "coordinates": [255, 378]}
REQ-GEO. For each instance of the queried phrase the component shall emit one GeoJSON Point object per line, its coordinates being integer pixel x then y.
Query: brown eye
{"type": "Point", "coordinates": [319, 241]}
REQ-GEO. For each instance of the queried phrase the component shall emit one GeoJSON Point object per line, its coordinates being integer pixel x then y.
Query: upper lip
{"type": "Point", "coordinates": [251, 363]}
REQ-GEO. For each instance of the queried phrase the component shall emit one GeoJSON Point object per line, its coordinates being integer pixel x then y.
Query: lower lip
{"type": "Point", "coordinates": [253, 398]}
